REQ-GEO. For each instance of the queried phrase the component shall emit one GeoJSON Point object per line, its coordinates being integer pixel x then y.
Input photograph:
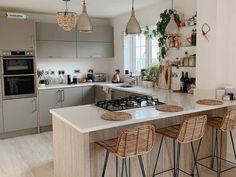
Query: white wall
{"type": "Point", "coordinates": [147, 17]}
{"type": "Point", "coordinates": [69, 65]}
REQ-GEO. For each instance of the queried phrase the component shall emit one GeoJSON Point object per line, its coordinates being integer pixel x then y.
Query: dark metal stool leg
{"type": "Point", "coordinates": [195, 159]}
{"type": "Point", "coordinates": [232, 140]}
{"type": "Point", "coordinates": [116, 166]}
{"type": "Point", "coordinates": [217, 152]}
{"type": "Point", "coordinates": [126, 169]}
{"type": "Point", "coordinates": [213, 149]}
{"type": "Point", "coordinates": [219, 169]}
{"type": "Point", "coordinates": [198, 149]}
{"type": "Point", "coordinates": [122, 168]}
{"type": "Point", "coordinates": [141, 165]}
{"type": "Point", "coordinates": [129, 169]}
{"type": "Point", "coordinates": [158, 155]}
{"type": "Point", "coordinates": [178, 159]}
{"type": "Point", "coordinates": [105, 164]}
{"type": "Point", "coordinates": [174, 154]}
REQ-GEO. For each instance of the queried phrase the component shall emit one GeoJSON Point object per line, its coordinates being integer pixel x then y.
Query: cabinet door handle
{"type": "Point", "coordinates": [62, 95]}
{"type": "Point", "coordinates": [34, 105]}
{"type": "Point", "coordinates": [58, 96]}
{"type": "Point", "coordinates": [33, 41]}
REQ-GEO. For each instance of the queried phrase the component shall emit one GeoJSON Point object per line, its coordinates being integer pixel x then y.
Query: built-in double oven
{"type": "Point", "coordinates": [18, 74]}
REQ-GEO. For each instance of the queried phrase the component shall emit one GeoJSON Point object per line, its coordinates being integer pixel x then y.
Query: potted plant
{"type": "Point", "coordinates": [149, 75]}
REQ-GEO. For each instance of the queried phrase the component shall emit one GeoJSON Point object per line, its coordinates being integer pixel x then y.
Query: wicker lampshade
{"type": "Point", "coordinates": [66, 20]}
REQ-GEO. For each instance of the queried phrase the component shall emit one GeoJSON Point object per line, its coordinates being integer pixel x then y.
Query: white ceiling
{"type": "Point", "coordinates": [96, 8]}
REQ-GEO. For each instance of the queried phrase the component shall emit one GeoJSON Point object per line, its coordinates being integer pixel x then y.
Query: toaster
{"type": "Point", "coordinates": [99, 77]}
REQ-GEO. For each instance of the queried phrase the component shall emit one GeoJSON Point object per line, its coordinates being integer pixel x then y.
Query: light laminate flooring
{"type": "Point", "coordinates": [32, 156]}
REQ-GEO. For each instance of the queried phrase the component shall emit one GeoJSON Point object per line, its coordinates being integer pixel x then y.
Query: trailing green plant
{"type": "Point", "coordinates": [159, 31]}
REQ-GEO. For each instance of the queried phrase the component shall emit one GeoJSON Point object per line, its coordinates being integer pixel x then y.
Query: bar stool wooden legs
{"type": "Point", "coordinates": [134, 142]}
{"type": "Point", "coordinates": [219, 126]}
{"type": "Point", "coordinates": [189, 131]}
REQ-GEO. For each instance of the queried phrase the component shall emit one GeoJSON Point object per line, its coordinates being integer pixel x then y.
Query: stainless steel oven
{"type": "Point", "coordinates": [18, 74]}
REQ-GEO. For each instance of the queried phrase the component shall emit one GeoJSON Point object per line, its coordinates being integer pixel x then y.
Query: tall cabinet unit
{"type": "Point", "coordinates": [53, 42]}
{"type": "Point", "coordinates": [17, 34]}
{"type": "Point", "coordinates": [98, 44]}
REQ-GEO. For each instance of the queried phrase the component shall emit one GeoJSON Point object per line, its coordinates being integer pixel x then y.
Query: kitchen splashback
{"type": "Point", "coordinates": [69, 65]}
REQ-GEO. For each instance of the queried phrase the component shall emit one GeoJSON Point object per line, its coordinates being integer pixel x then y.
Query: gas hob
{"type": "Point", "coordinates": [126, 103]}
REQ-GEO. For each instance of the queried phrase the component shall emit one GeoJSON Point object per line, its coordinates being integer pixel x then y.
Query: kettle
{"type": "Point", "coordinates": [116, 77]}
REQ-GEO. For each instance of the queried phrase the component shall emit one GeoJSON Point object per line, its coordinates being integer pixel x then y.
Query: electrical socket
{"type": "Point", "coordinates": [76, 71]}
{"type": "Point", "coordinates": [61, 72]}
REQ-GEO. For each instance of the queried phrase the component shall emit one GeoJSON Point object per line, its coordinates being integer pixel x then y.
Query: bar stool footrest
{"type": "Point", "coordinates": [165, 171]}
{"type": "Point", "coordinates": [222, 171]}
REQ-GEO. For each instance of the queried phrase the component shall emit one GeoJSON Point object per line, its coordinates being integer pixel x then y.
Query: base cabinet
{"type": "Point", "coordinates": [88, 95]}
{"type": "Point", "coordinates": [1, 117]}
{"type": "Point", "coordinates": [58, 98]}
{"type": "Point", "coordinates": [48, 99]}
{"type": "Point", "coordinates": [20, 114]}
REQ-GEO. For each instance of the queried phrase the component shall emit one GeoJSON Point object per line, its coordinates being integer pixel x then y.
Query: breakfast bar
{"type": "Point", "coordinates": [77, 129]}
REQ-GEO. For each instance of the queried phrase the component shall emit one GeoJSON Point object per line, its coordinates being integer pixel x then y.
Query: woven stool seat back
{"type": "Point", "coordinates": [229, 121]}
{"type": "Point", "coordinates": [192, 129]}
{"type": "Point", "coordinates": [136, 141]}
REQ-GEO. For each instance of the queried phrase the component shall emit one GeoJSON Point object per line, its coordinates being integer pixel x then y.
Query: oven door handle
{"type": "Point", "coordinates": [34, 105]}
{"type": "Point", "coordinates": [16, 75]}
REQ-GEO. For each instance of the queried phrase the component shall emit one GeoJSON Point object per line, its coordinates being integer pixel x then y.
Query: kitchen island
{"type": "Point", "coordinates": [76, 129]}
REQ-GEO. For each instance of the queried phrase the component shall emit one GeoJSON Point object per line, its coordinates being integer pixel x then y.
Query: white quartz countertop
{"type": "Point", "coordinates": [87, 118]}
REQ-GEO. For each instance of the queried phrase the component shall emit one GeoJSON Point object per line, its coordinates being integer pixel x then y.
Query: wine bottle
{"type": "Point", "coordinates": [186, 82]}
{"type": "Point", "coordinates": [182, 82]}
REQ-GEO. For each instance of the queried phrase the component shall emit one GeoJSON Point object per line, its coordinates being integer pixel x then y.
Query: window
{"type": "Point", "coordinates": [140, 53]}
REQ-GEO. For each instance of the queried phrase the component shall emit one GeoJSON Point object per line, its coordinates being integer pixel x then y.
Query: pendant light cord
{"type": "Point", "coordinates": [172, 4]}
{"type": "Point", "coordinates": [132, 4]}
{"type": "Point", "coordinates": [84, 2]}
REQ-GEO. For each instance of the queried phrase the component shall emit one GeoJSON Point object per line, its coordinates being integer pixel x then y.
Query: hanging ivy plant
{"type": "Point", "coordinates": [159, 31]}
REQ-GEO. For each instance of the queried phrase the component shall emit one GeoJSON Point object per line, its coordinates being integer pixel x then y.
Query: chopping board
{"type": "Point", "coordinates": [164, 77]}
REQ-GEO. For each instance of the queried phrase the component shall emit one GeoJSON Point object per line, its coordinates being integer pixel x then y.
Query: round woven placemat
{"type": "Point", "coordinates": [116, 116]}
{"type": "Point", "coordinates": [169, 108]}
{"type": "Point", "coordinates": [210, 102]}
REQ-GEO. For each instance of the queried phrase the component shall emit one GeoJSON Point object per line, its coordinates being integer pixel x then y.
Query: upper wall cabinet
{"type": "Point", "coordinates": [98, 44]}
{"type": "Point", "coordinates": [53, 42]}
{"type": "Point", "coordinates": [99, 34]}
{"type": "Point", "coordinates": [17, 34]}
{"type": "Point", "coordinates": [52, 32]}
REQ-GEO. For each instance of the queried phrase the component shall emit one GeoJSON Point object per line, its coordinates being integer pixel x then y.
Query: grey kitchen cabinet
{"type": "Point", "coordinates": [48, 99]}
{"type": "Point", "coordinates": [99, 34]}
{"type": "Point", "coordinates": [57, 98]}
{"type": "Point", "coordinates": [1, 116]}
{"type": "Point", "coordinates": [56, 49]}
{"type": "Point", "coordinates": [95, 50]}
{"type": "Point", "coordinates": [88, 95]}
{"type": "Point", "coordinates": [115, 94]}
{"type": "Point", "coordinates": [98, 44]}
{"type": "Point", "coordinates": [100, 95]}
{"type": "Point", "coordinates": [17, 34]}
{"type": "Point", "coordinates": [72, 96]}
{"type": "Point", "coordinates": [52, 32]}
{"type": "Point", "coordinates": [20, 114]}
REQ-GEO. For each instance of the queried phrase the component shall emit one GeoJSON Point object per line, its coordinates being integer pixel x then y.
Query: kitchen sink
{"type": "Point", "coordinates": [126, 86]}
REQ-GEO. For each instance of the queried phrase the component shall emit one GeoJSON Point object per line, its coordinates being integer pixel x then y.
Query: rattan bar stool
{"type": "Point", "coordinates": [220, 125]}
{"type": "Point", "coordinates": [133, 142]}
{"type": "Point", "coordinates": [189, 131]}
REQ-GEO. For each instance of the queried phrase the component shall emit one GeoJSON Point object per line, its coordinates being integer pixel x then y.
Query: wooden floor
{"type": "Point", "coordinates": [32, 156]}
